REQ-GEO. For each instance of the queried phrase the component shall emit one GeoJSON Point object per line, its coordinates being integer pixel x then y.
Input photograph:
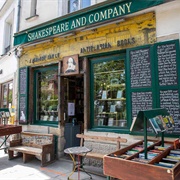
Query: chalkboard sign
{"type": "Point", "coordinates": [141, 101]}
{"type": "Point", "coordinates": [23, 80]}
{"type": "Point", "coordinates": [153, 79]}
{"type": "Point", "coordinates": [23, 94]}
{"type": "Point", "coordinates": [167, 66]}
{"type": "Point", "coordinates": [140, 68]}
{"type": "Point", "coordinates": [169, 99]}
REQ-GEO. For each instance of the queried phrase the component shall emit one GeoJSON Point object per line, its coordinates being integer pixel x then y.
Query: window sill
{"type": "Point", "coordinates": [31, 18]}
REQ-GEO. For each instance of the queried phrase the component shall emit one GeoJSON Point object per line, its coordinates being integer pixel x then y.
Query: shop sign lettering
{"type": "Point", "coordinates": [44, 57]}
{"type": "Point", "coordinates": [84, 20]}
{"type": "Point", "coordinates": [96, 48]}
{"type": "Point", "coordinates": [78, 22]}
{"type": "Point", "coordinates": [120, 43]}
{"type": "Point", "coordinates": [125, 42]}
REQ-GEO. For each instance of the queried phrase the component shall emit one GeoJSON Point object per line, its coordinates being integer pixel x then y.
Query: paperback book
{"type": "Point", "coordinates": [163, 164]}
{"type": "Point", "coordinates": [157, 125]}
{"type": "Point", "coordinates": [170, 160]}
{"type": "Point", "coordinates": [141, 160]}
{"type": "Point", "coordinates": [173, 157]}
{"type": "Point", "coordinates": [175, 151]}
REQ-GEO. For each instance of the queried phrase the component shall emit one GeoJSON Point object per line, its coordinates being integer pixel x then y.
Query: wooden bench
{"type": "Point", "coordinates": [103, 139]}
{"type": "Point", "coordinates": [33, 145]}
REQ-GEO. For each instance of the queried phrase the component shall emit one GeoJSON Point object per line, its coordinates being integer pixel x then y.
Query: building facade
{"type": "Point", "coordinates": [8, 62]}
{"type": "Point", "coordinates": [94, 69]}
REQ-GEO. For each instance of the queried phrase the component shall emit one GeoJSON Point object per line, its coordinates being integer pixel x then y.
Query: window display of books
{"type": "Point", "coordinates": [111, 102]}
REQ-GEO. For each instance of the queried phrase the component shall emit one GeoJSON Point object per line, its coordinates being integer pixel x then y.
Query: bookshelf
{"type": "Point", "coordinates": [112, 106]}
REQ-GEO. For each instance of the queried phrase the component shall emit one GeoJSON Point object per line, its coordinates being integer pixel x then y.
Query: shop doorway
{"type": "Point", "coordinates": [73, 109]}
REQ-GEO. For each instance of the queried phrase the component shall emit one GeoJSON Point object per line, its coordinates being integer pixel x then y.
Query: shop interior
{"type": "Point", "coordinates": [73, 99]}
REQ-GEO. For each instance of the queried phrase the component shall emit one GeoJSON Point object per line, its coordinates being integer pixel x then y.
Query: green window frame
{"type": "Point", "coordinates": [46, 96]}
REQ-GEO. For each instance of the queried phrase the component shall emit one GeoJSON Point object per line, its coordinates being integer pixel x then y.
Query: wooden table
{"type": "Point", "coordinates": [7, 130]}
{"type": "Point", "coordinates": [79, 150]}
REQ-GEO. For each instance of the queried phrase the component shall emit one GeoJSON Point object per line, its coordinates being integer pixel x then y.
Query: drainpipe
{"type": "Point", "coordinates": [17, 58]}
{"type": "Point", "coordinates": [18, 15]}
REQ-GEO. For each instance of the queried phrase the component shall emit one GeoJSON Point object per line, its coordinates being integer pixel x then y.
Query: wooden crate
{"type": "Point", "coordinates": [126, 169]}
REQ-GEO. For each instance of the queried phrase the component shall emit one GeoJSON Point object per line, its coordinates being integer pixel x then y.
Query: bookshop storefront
{"type": "Point", "coordinates": [99, 78]}
{"type": "Point", "coordinates": [63, 68]}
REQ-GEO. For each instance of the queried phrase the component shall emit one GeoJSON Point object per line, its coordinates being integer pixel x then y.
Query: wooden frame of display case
{"type": "Point", "coordinates": [127, 169]}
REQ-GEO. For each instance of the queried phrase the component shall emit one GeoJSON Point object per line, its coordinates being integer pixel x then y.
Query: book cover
{"type": "Point", "coordinates": [176, 155]}
{"type": "Point", "coordinates": [166, 164]}
{"type": "Point", "coordinates": [51, 118]}
{"type": "Point", "coordinates": [163, 165]}
{"type": "Point", "coordinates": [170, 160]}
{"type": "Point", "coordinates": [104, 95]}
{"type": "Point", "coordinates": [154, 125]}
{"type": "Point", "coordinates": [175, 152]}
{"type": "Point", "coordinates": [157, 124]}
{"type": "Point", "coordinates": [173, 157]}
{"type": "Point", "coordinates": [110, 121]}
{"type": "Point", "coordinates": [169, 122]}
{"type": "Point", "coordinates": [133, 122]}
{"type": "Point", "coordinates": [100, 122]}
{"type": "Point", "coordinates": [100, 109]}
{"type": "Point", "coordinates": [161, 147]}
{"type": "Point", "coordinates": [119, 94]}
{"type": "Point", "coordinates": [113, 108]}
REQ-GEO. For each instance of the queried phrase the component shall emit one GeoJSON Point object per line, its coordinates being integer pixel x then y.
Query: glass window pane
{"type": "Point", "coordinates": [47, 95]}
{"type": "Point", "coordinates": [7, 92]}
{"type": "Point", "coordinates": [85, 3]}
{"type": "Point", "coordinates": [109, 94]}
{"type": "Point", "coordinates": [78, 4]}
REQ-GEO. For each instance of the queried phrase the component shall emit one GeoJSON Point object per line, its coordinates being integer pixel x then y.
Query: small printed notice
{"type": "Point", "coordinates": [71, 109]}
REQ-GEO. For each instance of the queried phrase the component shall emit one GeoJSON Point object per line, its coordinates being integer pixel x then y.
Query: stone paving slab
{"type": "Point", "coordinates": [15, 169]}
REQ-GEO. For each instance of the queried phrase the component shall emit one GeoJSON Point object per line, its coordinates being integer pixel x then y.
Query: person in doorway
{"type": "Point", "coordinates": [71, 65]}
